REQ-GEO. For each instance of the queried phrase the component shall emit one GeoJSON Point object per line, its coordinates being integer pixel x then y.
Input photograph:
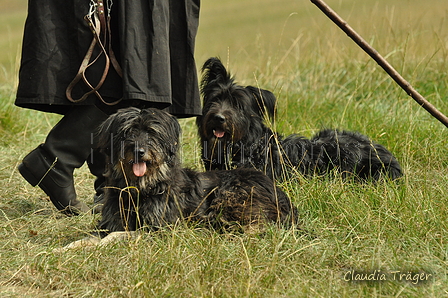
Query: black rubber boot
{"type": "Point", "coordinates": [97, 166]}
{"type": "Point", "coordinates": [98, 197]}
{"type": "Point", "coordinates": [68, 145]}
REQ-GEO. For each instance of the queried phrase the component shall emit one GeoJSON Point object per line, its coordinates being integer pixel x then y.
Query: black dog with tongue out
{"type": "Point", "coordinates": [146, 186]}
{"type": "Point", "coordinates": [234, 135]}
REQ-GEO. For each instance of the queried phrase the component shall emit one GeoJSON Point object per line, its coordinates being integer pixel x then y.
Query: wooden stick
{"type": "Point", "coordinates": [381, 61]}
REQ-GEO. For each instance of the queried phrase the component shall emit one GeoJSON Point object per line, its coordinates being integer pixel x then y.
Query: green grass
{"type": "Point", "coordinates": [321, 79]}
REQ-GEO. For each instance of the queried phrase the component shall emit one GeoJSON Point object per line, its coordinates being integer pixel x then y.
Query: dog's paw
{"type": "Point", "coordinates": [115, 237]}
{"type": "Point", "coordinates": [85, 242]}
{"type": "Point", "coordinates": [93, 241]}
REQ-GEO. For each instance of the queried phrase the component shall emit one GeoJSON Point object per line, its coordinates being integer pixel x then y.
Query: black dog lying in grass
{"type": "Point", "coordinates": [234, 135]}
{"type": "Point", "coordinates": [146, 186]}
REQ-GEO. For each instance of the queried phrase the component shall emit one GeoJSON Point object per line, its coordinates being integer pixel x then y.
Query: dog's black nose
{"type": "Point", "coordinates": [141, 152]}
{"type": "Point", "coordinates": [220, 118]}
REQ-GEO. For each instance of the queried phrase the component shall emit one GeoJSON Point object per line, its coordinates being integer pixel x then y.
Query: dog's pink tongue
{"type": "Point", "coordinates": [139, 169]}
{"type": "Point", "coordinates": [218, 133]}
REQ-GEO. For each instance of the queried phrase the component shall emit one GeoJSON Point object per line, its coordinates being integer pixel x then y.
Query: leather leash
{"type": "Point", "coordinates": [99, 24]}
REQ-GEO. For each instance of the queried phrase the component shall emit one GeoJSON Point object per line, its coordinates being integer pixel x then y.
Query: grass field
{"type": "Point", "coordinates": [393, 231]}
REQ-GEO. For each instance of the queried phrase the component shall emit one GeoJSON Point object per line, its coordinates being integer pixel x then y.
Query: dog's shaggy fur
{"type": "Point", "coordinates": [234, 135]}
{"type": "Point", "coordinates": [147, 187]}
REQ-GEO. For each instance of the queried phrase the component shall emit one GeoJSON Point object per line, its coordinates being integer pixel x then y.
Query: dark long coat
{"type": "Point", "coordinates": [152, 39]}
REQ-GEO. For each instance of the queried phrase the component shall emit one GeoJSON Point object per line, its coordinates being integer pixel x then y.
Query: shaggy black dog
{"type": "Point", "coordinates": [147, 187]}
{"type": "Point", "coordinates": [234, 135]}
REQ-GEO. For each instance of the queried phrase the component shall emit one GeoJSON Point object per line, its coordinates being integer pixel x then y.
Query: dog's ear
{"type": "Point", "coordinates": [170, 136]}
{"type": "Point", "coordinates": [214, 73]}
{"type": "Point", "coordinates": [263, 101]}
{"type": "Point", "coordinates": [105, 132]}
{"type": "Point", "coordinates": [175, 132]}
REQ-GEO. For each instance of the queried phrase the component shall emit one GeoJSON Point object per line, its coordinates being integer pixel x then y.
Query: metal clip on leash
{"type": "Point", "coordinates": [99, 24]}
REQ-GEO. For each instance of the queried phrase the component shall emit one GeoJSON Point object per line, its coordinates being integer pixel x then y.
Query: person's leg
{"type": "Point", "coordinates": [67, 146]}
{"type": "Point", "coordinates": [97, 165]}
